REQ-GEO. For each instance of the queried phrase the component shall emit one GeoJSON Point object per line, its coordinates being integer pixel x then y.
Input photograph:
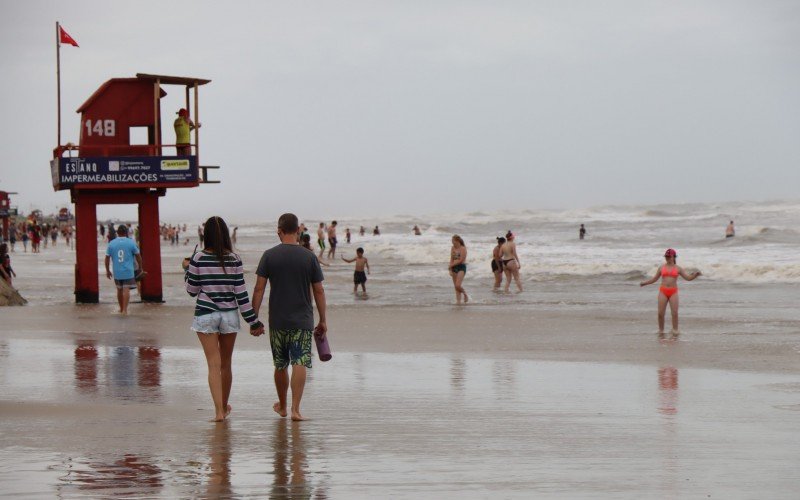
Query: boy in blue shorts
{"type": "Point", "coordinates": [122, 251]}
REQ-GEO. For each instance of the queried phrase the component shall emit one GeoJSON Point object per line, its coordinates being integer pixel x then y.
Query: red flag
{"type": "Point", "coordinates": [65, 38]}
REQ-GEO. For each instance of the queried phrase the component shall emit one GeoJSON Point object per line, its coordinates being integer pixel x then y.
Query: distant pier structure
{"type": "Point", "coordinates": [121, 159]}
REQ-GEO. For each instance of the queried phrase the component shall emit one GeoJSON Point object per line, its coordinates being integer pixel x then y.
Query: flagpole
{"type": "Point", "coordinates": [58, 81]}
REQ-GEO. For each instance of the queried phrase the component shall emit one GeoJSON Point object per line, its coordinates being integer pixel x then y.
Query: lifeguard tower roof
{"type": "Point", "coordinates": [173, 80]}
{"type": "Point", "coordinates": [161, 79]}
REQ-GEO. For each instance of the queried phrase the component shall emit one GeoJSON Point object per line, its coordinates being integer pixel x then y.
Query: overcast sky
{"type": "Point", "coordinates": [334, 109]}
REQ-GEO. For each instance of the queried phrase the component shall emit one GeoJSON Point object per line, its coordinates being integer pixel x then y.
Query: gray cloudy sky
{"type": "Point", "coordinates": [332, 109]}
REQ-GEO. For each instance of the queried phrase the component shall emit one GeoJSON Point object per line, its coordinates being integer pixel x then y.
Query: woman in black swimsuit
{"type": "Point", "coordinates": [497, 263]}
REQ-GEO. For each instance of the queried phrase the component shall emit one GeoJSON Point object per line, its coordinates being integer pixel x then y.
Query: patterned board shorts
{"type": "Point", "coordinates": [290, 347]}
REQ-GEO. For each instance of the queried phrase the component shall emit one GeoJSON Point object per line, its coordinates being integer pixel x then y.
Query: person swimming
{"type": "Point", "coordinates": [668, 291]}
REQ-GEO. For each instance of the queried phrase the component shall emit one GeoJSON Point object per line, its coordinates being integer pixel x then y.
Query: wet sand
{"type": "Point", "coordinates": [417, 403]}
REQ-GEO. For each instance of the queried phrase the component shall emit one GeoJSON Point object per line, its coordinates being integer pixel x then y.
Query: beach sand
{"type": "Point", "coordinates": [417, 403]}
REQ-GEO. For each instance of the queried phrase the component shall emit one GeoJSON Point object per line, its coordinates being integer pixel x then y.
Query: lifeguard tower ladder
{"type": "Point", "coordinates": [108, 169]}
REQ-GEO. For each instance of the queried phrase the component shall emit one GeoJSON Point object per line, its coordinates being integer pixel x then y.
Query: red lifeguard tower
{"type": "Point", "coordinates": [109, 169]}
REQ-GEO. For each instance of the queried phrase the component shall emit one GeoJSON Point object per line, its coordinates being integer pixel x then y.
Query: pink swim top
{"type": "Point", "coordinates": [669, 272]}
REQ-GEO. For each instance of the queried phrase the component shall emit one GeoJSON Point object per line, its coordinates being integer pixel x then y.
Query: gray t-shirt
{"type": "Point", "coordinates": [290, 269]}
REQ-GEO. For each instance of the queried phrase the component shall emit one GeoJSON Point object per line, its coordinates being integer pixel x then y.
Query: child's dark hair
{"type": "Point", "coordinates": [218, 239]}
{"type": "Point", "coordinates": [360, 251]}
{"type": "Point", "coordinates": [306, 241]}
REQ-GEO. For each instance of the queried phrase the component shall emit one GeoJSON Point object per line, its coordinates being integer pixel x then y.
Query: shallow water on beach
{"type": "Point", "coordinates": [120, 416]}
{"type": "Point", "coordinates": [100, 405]}
{"type": "Point", "coordinates": [755, 275]}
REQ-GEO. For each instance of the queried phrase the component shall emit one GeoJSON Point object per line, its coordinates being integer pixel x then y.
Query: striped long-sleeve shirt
{"type": "Point", "coordinates": [218, 289]}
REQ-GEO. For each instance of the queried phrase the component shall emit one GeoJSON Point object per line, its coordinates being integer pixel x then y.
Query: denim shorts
{"type": "Point", "coordinates": [217, 322]}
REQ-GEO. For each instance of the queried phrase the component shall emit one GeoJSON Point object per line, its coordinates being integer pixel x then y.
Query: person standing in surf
{"type": "Point", "coordinates": [510, 260]}
{"type": "Point", "coordinates": [359, 276]}
{"type": "Point", "coordinates": [668, 292]}
{"type": "Point", "coordinates": [458, 267]}
{"type": "Point", "coordinates": [730, 231]}
{"type": "Point", "coordinates": [321, 239]}
{"type": "Point", "coordinates": [332, 241]}
{"type": "Point", "coordinates": [497, 263]}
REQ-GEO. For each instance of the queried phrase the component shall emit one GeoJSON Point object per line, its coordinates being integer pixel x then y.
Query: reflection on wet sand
{"type": "Point", "coordinates": [131, 474]}
{"type": "Point", "coordinates": [120, 372]}
{"type": "Point", "coordinates": [503, 378]}
{"type": "Point", "coordinates": [129, 373]}
{"type": "Point", "coordinates": [86, 366]}
{"type": "Point", "coordinates": [358, 370]}
{"type": "Point", "coordinates": [458, 374]}
{"type": "Point", "coordinates": [668, 406]}
{"type": "Point", "coordinates": [668, 389]}
{"type": "Point", "coordinates": [574, 430]}
{"type": "Point", "coordinates": [290, 463]}
{"type": "Point", "coordinates": [149, 366]}
{"type": "Point", "coordinates": [219, 450]}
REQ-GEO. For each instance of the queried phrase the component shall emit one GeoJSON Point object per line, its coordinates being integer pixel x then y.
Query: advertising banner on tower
{"type": "Point", "coordinates": [124, 171]}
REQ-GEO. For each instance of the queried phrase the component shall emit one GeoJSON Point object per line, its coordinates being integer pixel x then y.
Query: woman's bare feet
{"type": "Point", "coordinates": [228, 411]}
{"type": "Point", "coordinates": [296, 417]}
{"type": "Point", "coordinates": [280, 411]}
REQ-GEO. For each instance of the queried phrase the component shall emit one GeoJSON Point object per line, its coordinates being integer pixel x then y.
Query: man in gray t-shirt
{"type": "Point", "coordinates": [293, 273]}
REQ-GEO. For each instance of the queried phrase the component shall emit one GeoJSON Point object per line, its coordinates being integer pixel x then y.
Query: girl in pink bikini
{"type": "Point", "coordinates": [668, 292]}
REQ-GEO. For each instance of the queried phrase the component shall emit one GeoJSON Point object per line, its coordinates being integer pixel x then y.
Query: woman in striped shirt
{"type": "Point", "coordinates": [216, 277]}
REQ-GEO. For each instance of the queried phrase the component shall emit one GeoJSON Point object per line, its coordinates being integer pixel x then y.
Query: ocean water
{"type": "Point", "coordinates": [757, 272]}
{"type": "Point", "coordinates": [625, 244]}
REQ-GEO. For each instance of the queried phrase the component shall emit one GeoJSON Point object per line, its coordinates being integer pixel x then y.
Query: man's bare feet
{"type": "Point", "coordinates": [466, 298]}
{"type": "Point", "coordinates": [296, 417]}
{"type": "Point", "coordinates": [228, 411]}
{"type": "Point", "coordinates": [218, 418]}
{"type": "Point", "coordinates": [280, 411]}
